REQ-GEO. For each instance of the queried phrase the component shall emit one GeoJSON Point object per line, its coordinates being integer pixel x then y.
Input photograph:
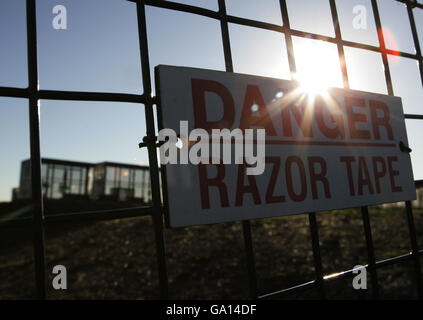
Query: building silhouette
{"type": "Point", "coordinates": [94, 181]}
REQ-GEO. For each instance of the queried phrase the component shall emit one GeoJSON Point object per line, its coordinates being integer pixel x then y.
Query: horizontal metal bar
{"type": "Point", "coordinates": [402, 54]}
{"type": "Point", "coordinates": [91, 96]}
{"type": "Point", "coordinates": [358, 45]}
{"type": "Point", "coordinates": [14, 92]}
{"type": "Point", "coordinates": [16, 222]}
{"type": "Point", "coordinates": [339, 275]}
{"type": "Point", "coordinates": [314, 36]}
{"type": "Point", "coordinates": [141, 98]}
{"type": "Point", "coordinates": [301, 287]}
{"type": "Point", "coordinates": [73, 95]}
{"type": "Point", "coordinates": [182, 8]}
{"type": "Point", "coordinates": [118, 97]}
{"type": "Point", "coordinates": [278, 28]}
{"type": "Point", "coordinates": [380, 50]}
{"type": "Point", "coordinates": [98, 215]}
{"type": "Point", "coordinates": [255, 23]}
{"type": "Point", "coordinates": [398, 259]}
{"type": "Point", "coordinates": [413, 4]}
{"type": "Point", "coordinates": [413, 116]}
{"type": "Point", "coordinates": [145, 211]}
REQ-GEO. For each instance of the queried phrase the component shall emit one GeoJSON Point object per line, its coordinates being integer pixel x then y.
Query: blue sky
{"type": "Point", "coordinates": [99, 51]}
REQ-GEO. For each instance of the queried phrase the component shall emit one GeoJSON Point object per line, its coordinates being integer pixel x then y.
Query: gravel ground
{"type": "Point", "coordinates": [116, 259]}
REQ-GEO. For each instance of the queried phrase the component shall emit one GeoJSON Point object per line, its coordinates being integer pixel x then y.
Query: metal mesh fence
{"type": "Point", "coordinates": [39, 221]}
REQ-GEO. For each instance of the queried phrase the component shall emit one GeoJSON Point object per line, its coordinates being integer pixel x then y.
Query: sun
{"type": "Point", "coordinates": [318, 66]}
{"type": "Point", "coordinates": [311, 84]}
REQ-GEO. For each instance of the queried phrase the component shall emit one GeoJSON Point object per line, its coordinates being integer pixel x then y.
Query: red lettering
{"type": "Point", "coordinates": [354, 117]}
{"type": "Point", "coordinates": [332, 133]}
{"type": "Point", "coordinates": [380, 121]}
{"type": "Point", "coordinates": [199, 88]}
{"type": "Point", "coordinates": [392, 174]}
{"type": "Point", "coordinates": [302, 115]}
{"type": "Point", "coordinates": [206, 182]}
{"type": "Point", "coordinates": [248, 120]}
{"type": "Point", "coordinates": [289, 183]}
{"type": "Point", "coordinates": [314, 177]}
{"type": "Point", "coordinates": [378, 173]}
{"type": "Point", "coordinates": [241, 189]}
{"type": "Point", "coordinates": [363, 176]}
{"type": "Point", "coordinates": [270, 198]}
{"type": "Point", "coordinates": [348, 161]}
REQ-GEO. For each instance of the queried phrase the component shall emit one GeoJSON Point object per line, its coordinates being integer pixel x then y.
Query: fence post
{"type": "Point", "coordinates": [414, 248]}
{"type": "Point", "coordinates": [370, 252]}
{"type": "Point", "coordinates": [316, 254]}
{"type": "Point", "coordinates": [34, 127]}
{"type": "Point", "coordinates": [246, 226]}
{"type": "Point", "coordinates": [152, 152]}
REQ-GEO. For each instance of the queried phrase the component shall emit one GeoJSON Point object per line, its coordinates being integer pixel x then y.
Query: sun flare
{"type": "Point", "coordinates": [318, 67]}
{"type": "Point", "coordinates": [311, 84]}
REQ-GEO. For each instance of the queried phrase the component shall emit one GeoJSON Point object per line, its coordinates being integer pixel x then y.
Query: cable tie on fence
{"type": "Point", "coordinates": [404, 148]}
{"type": "Point", "coordinates": [148, 140]}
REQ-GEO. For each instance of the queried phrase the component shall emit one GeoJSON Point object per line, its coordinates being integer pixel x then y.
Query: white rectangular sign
{"type": "Point", "coordinates": [334, 150]}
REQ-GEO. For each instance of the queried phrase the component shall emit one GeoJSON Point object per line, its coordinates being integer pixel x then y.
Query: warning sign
{"type": "Point", "coordinates": [338, 149]}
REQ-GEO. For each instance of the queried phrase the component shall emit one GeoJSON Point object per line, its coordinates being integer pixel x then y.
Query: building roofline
{"type": "Point", "coordinates": [88, 164]}
{"type": "Point", "coordinates": [119, 164]}
{"type": "Point", "coordinates": [67, 162]}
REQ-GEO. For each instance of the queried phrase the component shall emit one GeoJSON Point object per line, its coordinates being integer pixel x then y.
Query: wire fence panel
{"type": "Point", "coordinates": [34, 94]}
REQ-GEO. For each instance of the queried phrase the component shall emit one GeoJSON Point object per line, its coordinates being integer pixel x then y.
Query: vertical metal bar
{"type": "Point", "coordinates": [34, 127]}
{"type": "Point", "coordinates": [143, 185]}
{"type": "Point", "coordinates": [288, 37]}
{"type": "Point", "coordinates": [408, 206]}
{"type": "Point", "coordinates": [316, 254]}
{"type": "Point", "coordinates": [370, 252]}
{"type": "Point", "coordinates": [416, 39]}
{"type": "Point", "coordinates": [80, 181]}
{"type": "Point", "coordinates": [414, 248]}
{"type": "Point", "coordinates": [311, 216]}
{"type": "Point", "coordinates": [366, 223]}
{"type": "Point", "coordinates": [382, 47]}
{"type": "Point", "coordinates": [52, 182]}
{"type": "Point", "coordinates": [70, 179]}
{"type": "Point", "coordinates": [87, 175]}
{"type": "Point", "coordinates": [251, 263]}
{"type": "Point", "coordinates": [246, 225]}
{"type": "Point", "coordinates": [225, 36]}
{"type": "Point", "coordinates": [104, 180]}
{"type": "Point", "coordinates": [118, 177]}
{"type": "Point", "coordinates": [47, 180]}
{"type": "Point", "coordinates": [152, 152]}
{"type": "Point", "coordinates": [364, 210]}
{"type": "Point", "coordinates": [132, 183]}
{"type": "Point", "coordinates": [338, 37]}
